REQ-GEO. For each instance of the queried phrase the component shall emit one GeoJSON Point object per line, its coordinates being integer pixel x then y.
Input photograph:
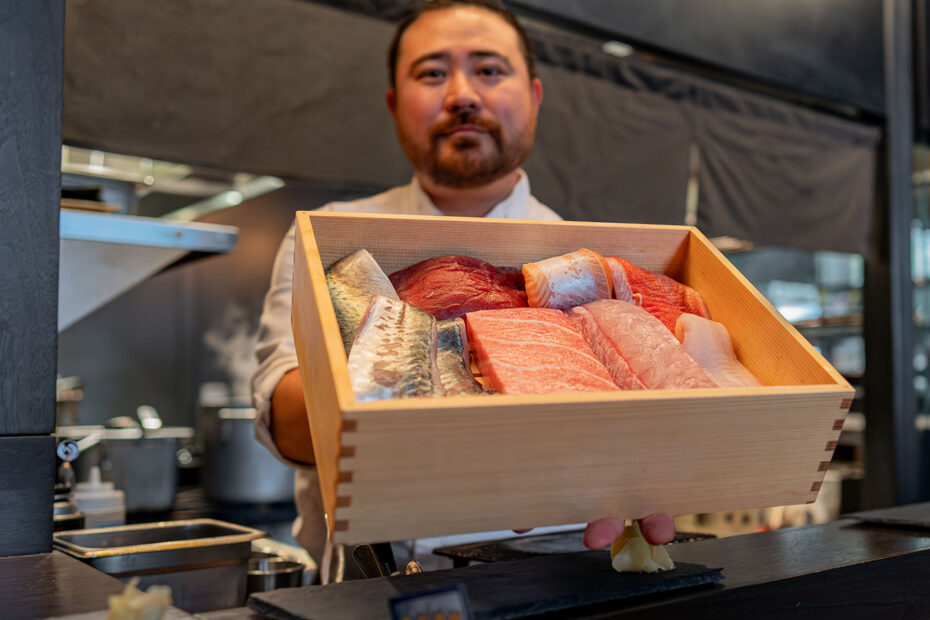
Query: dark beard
{"type": "Point", "coordinates": [468, 168]}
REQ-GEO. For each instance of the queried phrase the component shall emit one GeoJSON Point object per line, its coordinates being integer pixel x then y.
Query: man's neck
{"type": "Point", "coordinates": [470, 202]}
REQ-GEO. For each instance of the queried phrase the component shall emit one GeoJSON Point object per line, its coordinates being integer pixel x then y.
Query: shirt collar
{"type": "Point", "coordinates": [514, 206]}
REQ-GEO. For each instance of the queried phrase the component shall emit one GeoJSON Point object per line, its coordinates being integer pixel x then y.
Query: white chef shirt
{"type": "Point", "coordinates": [275, 348]}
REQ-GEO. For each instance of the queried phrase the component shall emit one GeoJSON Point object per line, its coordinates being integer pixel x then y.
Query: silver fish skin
{"type": "Point", "coordinates": [454, 362]}
{"type": "Point", "coordinates": [394, 353]}
{"type": "Point", "coordinates": [352, 281]}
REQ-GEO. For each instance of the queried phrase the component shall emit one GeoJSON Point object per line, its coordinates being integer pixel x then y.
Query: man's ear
{"type": "Point", "coordinates": [391, 102]}
{"type": "Point", "coordinates": [537, 88]}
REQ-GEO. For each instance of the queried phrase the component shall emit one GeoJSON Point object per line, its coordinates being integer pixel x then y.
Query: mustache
{"type": "Point", "coordinates": [465, 117]}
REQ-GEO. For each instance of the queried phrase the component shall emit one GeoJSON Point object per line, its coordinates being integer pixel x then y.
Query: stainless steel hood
{"type": "Point", "coordinates": [104, 255]}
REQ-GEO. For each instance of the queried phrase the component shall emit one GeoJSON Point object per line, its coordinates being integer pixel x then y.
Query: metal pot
{"type": "Point", "coordinates": [236, 467]}
{"type": "Point", "coordinates": [141, 463]}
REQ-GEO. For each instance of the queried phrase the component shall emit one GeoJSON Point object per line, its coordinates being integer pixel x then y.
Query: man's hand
{"type": "Point", "coordinates": [290, 429]}
{"type": "Point", "coordinates": [657, 529]}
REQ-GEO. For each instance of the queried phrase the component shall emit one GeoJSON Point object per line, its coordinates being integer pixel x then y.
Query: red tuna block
{"type": "Point", "coordinates": [451, 286]}
{"type": "Point", "coordinates": [534, 351]}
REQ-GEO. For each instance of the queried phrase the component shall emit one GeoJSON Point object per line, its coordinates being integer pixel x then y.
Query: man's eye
{"type": "Point", "coordinates": [490, 71]}
{"type": "Point", "coordinates": [431, 74]}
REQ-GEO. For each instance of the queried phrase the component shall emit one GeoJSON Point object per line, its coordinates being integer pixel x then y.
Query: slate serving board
{"type": "Point", "coordinates": [533, 545]}
{"type": "Point", "coordinates": [913, 515]}
{"type": "Point", "coordinates": [498, 591]}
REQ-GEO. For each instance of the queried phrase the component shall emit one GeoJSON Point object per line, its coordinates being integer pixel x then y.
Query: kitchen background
{"type": "Point", "coordinates": [267, 125]}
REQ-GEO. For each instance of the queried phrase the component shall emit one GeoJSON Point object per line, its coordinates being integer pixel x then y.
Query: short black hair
{"type": "Point", "coordinates": [426, 6]}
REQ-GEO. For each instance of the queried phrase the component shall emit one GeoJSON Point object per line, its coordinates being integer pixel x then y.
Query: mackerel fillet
{"type": "Point", "coordinates": [394, 353]}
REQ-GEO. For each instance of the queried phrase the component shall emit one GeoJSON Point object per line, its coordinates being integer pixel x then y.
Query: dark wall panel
{"type": "Point", "coordinates": [267, 86]}
{"type": "Point", "coordinates": [30, 162]}
{"type": "Point", "coordinates": [829, 49]}
{"type": "Point", "coordinates": [26, 485]}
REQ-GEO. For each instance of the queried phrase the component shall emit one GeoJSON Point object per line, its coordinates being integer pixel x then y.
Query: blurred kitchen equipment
{"type": "Point", "coordinates": [267, 547]}
{"type": "Point", "coordinates": [102, 505]}
{"type": "Point", "coordinates": [65, 513]}
{"type": "Point", "coordinates": [203, 560]}
{"type": "Point", "coordinates": [69, 392]}
{"type": "Point", "coordinates": [270, 573]}
{"type": "Point", "coordinates": [148, 417]}
{"type": "Point", "coordinates": [143, 463]}
{"type": "Point", "coordinates": [236, 467]}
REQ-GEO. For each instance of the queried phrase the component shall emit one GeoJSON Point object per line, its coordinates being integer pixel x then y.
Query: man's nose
{"type": "Point", "coordinates": [461, 94]}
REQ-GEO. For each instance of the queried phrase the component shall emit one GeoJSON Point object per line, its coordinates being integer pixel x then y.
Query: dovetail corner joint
{"type": "Point", "coordinates": [349, 426]}
{"type": "Point", "coordinates": [344, 476]}
{"type": "Point", "coordinates": [846, 403]}
{"type": "Point", "coordinates": [342, 525]}
{"type": "Point", "coordinates": [816, 486]}
{"type": "Point", "coordinates": [347, 451]}
{"type": "Point", "coordinates": [824, 466]}
{"type": "Point", "coordinates": [343, 501]}
{"type": "Point", "coordinates": [838, 424]}
{"type": "Point", "coordinates": [831, 446]}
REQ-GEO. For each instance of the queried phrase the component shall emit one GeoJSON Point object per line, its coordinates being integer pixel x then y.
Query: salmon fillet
{"type": "Point", "coordinates": [661, 296]}
{"type": "Point", "coordinates": [630, 337]}
{"type": "Point", "coordinates": [534, 351]}
{"type": "Point", "coordinates": [569, 280]}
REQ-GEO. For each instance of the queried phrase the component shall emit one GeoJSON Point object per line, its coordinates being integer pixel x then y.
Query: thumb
{"type": "Point", "coordinates": [657, 529]}
{"type": "Point", "coordinates": [602, 532]}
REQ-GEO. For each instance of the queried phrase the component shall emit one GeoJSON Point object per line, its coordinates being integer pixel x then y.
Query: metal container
{"type": "Point", "coordinates": [236, 467]}
{"type": "Point", "coordinates": [141, 463]}
{"type": "Point", "coordinates": [270, 573]}
{"type": "Point", "coordinates": [203, 560]}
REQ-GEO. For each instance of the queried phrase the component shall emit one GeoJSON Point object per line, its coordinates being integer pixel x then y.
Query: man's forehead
{"type": "Point", "coordinates": [471, 29]}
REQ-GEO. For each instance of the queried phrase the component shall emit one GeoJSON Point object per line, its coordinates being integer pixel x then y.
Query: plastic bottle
{"type": "Point", "coordinates": [101, 504]}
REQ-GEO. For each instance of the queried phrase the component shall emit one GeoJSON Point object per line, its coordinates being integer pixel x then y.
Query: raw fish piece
{"type": "Point", "coordinates": [617, 366]}
{"type": "Point", "coordinates": [569, 280]}
{"type": "Point", "coordinates": [454, 361]}
{"type": "Point", "coordinates": [534, 351]}
{"type": "Point", "coordinates": [662, 296]}
{"type": "Point", "coordinates": [394, 353]}
{"type": "Point", "coordinates": [451, 286]}
{"type": "Point", "coordinates": [352, 281]}
{"type": "Point", "coordinates": [708, 342]}
{"type": "Point", "coordinates": [648, 348]}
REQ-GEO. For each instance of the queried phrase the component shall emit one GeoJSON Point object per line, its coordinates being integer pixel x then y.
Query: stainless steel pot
{"type": "Point", "coordinates": [141, 463]}
{"type": "Point", "coordinates": [236, 467]}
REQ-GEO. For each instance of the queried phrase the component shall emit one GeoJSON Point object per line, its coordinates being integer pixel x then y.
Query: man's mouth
{"type": "Point", "coordinates": [464, 129]}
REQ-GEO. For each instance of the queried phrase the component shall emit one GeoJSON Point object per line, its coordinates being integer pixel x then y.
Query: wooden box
{"type": "Point", "coordinates": [413, 468]}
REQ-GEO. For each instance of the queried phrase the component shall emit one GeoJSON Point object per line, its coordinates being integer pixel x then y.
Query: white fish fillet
{"type": "Point", "coordinates": [708, 342]}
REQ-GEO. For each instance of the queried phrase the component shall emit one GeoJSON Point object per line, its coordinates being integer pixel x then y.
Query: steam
{"type": "Point", "coordinates": [232, 340]}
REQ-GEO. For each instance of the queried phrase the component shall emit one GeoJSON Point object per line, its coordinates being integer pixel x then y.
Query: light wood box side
{"type": "Point", "coordinates": [516, 462]}
{"type": "Point", "coordinates": [764, 341]}
{"type": "Point", "coordinates": [321, 358]}
{"type": "Point", "coordinates": [398, 241]}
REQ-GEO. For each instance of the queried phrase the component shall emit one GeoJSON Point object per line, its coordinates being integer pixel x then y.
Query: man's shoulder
{"type": "Point", "coordinates": [538, 211]}
{"type": "Point", "coordinates": [390, 200]}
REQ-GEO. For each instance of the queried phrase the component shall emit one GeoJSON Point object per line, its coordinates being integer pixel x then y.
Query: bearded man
{"type": "Point", "coordinates": [465, 99]}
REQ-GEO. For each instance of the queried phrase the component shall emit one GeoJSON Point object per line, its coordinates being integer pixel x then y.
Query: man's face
{"type": "Point", "coordinates": [464, 105]}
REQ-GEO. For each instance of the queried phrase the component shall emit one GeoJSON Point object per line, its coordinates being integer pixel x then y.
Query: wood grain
{"type": "Point", "coordinates": [31, 44]}
{"type": "Point", "coordinates": [485, 463]}
{"type": "Point", "coordinates": [54, 584]}
{"type": "Point", "coordinates": [26, 491]}
{"type": "Point", "coordinates": [322, 360]}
